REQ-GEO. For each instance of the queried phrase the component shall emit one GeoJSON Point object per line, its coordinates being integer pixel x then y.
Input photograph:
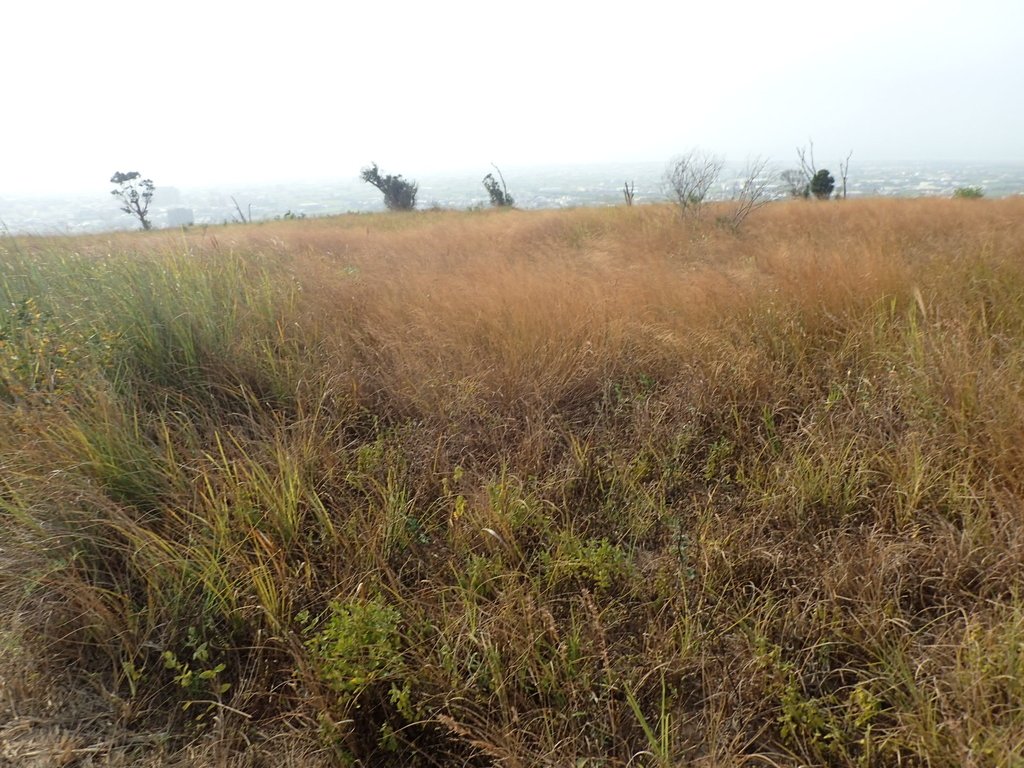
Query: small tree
{"type": "Point", "coordinates": [500, 198]}
{"type": "Point", "coordinates": [628, 190]}
{"type": "Point", "coordinates": [399, 194]}
{"type": "Point", "coordinates": [822, 184]}
{"type": "Point", "coordinates": [796, 183]}
{"type": "Point", "coordinates": [806, 156]}
{"type": "Point", "coordinates": [690, 177]}
{"type": "Point", "coordinates": [752, 192]}
{"type": "Point", "coordinates": [133, 201]}
{"type": "Point", "coordinates": [818, 183]}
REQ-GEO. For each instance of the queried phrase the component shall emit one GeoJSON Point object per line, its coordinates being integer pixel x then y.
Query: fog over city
{"type": "Point", "coordinates": [198, 94]}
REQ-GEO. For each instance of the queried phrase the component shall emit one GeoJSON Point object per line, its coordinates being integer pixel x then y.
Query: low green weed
{"type": "Point", "coordinates": [356, 646]}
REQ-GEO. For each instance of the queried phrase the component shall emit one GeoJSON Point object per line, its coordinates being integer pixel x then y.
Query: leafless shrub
{"type": "Point", "coordinates": [844, 171]}
{"type": "Point", "coordinates": [796, 184]}
{"type": "Point", "coordinates": [753, 191]}
{"type": "Point", "coordinates": [689, 179]}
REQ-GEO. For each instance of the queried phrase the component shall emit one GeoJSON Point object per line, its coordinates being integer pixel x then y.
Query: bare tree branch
{"type": "Point", "coordinates": [690, 177]}
{"type": "Point", "coordinates": [240, 214]}
{"type": "Point", "coordinates": [754, 192]}
{"type": "Point", "coordinates": [806, 157]}
{"type": "Point", "coordinates": [844, 171]}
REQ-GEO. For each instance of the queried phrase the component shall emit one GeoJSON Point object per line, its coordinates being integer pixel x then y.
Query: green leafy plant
{"type": "Point", "coordinates": [198, 672]}
{"type": "Point", "coordinates": [357, 646]}
{"type": "Point", "coordinates": [596, 562]}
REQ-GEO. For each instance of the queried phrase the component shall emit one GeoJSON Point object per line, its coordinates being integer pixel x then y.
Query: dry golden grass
{"type": "Point", "coordinates": [594, 487]}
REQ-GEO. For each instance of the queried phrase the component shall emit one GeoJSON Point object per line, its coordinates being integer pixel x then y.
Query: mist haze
{"type": "Point", "coordinates": [194, 95]}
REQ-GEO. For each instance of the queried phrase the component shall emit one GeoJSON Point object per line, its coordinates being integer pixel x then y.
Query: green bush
{"type": "Point", "coordinates": [399, 194]}
{"type": "Point", "coordinates": [595, 563]}
{"type": "Point", "coordinates": [822, 184]}
{"type": "Point", "coordinates": [500, 198]}
{"type": "Point", "coordinates": [968, 193]}
{"type": "Point", "coordinates": [356, 646]}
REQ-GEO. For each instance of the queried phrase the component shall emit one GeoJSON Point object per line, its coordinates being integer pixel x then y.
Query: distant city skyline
{"type": "Point", "coordinates": [195, 95]}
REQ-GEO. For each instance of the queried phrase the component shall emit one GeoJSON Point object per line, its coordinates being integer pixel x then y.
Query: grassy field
{"type": "Point", "coordinates": [586, 488]}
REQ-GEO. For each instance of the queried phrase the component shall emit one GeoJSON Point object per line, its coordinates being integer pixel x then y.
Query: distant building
{"type": "Point", "coordinates": [179, 217]}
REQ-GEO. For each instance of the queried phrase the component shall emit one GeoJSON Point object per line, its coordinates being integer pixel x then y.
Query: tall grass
{"type": "Point", "coordinates": [590, 487]}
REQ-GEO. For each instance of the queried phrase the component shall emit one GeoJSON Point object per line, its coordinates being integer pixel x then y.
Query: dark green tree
{"type": "Point", "coordinates": [500, 198]}
{"type": "Point", "coordinates": [822, 184]}
{"type": "Point", "coordinates": [399, 194]}
{"type": "Point", "coordinates": [134, 195]}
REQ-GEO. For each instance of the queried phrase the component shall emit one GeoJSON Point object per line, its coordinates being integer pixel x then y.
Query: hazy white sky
{"type": "Point", "coordinates": [217, 91]}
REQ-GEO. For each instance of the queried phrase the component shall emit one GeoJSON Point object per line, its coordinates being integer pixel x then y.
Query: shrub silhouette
{"type": "Point", "coordinates": [500, 198]}
{"type": "Point", "coordinates": [399, 194]}
{"type": "Point", "coordinates": [689, 179]}
{"type": "Point", "coordinates": [822, 184]}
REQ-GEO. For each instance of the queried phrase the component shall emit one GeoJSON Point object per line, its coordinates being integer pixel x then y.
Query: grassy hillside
{"type": "Point", "coordinates": [576, 488]}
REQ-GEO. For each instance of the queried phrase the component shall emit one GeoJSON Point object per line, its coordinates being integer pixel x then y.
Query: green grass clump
{"type": "Point", "coordinates": [594, 487]}
{"type": "Point", "coordinates": [968, 193]}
